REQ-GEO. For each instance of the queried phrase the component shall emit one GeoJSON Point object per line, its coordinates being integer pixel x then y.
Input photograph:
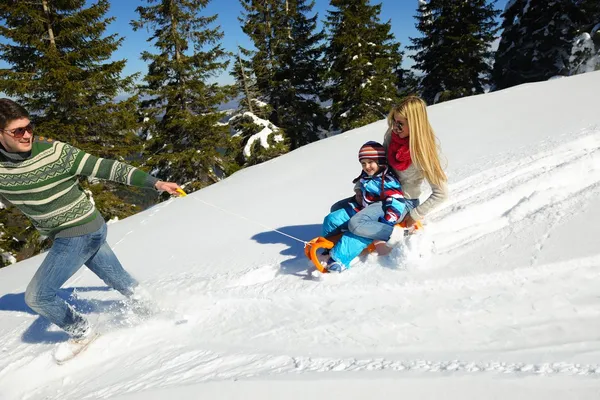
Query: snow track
{"type": "Point", "coordinates": [260, 322]}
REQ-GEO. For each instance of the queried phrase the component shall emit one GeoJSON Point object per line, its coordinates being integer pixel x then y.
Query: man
{"type": "Point", "coordinates": [40, 177]}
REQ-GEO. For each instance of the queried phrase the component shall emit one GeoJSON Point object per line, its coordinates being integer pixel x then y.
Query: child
{"type": "Point", "coordinates": [375, 184]}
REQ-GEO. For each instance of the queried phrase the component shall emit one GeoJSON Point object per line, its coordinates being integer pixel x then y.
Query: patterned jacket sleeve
{"type": "Point", "coordinates": [394, 204]}
{"type": "Point", "coordinates": [95, 167]}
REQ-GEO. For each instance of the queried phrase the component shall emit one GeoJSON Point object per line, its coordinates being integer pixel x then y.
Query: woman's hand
{"type": "Point", "coordinates": [409, 221]}
{"type": "Point", "coordinates": [169, 187]}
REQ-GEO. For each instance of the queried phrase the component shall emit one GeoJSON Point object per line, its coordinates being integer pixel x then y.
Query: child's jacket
{"type": "Point", "coordinates": [384, 187]}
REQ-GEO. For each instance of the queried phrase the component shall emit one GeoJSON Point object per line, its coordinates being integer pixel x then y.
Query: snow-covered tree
{"type": "Point", "coordinates": [188, 143]}
{"type": "Point", "coordinates": [363, 60]}
{"type": "Point", "coordinates": [585, 54]}
{"type": "Point", "coordinates": [249, 97]}
{"type": "Point", "coordinates": [255, 139]}
{"type": "Point", "coordinates": [286, 64]}
{"type": "Point", "coordinates": [454, 51]}
{"type": "Point", "coordinates": [536, 42]}
{"type": "Point", "coordinates": [298, 76]}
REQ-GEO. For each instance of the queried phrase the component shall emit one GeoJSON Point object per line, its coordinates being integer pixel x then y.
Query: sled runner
{"type": "Point", "coordinates": [327, 243]}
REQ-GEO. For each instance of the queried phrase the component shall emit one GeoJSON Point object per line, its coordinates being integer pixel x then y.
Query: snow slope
{"type": "Point", "coordinates": [499, 298]}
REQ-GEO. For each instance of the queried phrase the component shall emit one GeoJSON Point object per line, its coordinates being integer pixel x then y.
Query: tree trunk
{"type": "Point", "coordinates": [178, 57]}
{"type": "Point", "coordinates": [245, 80]}
{"type": "Point", "coordinates": [50, 31]}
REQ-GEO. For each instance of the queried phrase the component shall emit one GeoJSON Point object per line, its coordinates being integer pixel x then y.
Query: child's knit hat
{"type": "Point", "coordinates": [373, 151]}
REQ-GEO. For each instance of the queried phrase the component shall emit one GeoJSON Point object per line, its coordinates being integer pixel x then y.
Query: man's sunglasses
{"type": "Point", "coordinates": [18, 133]}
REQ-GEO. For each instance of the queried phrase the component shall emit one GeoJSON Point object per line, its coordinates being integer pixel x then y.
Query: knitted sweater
{"type": "Point", "coordinates": [43, 184]}
{"type": "Point", "coordinates": [411, 180]}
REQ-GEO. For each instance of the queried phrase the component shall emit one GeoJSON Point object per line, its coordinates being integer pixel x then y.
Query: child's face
{"type": "Point", "coordinates": [369, 166]}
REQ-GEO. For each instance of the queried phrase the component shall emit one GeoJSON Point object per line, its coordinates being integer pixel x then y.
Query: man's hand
{"type": "Point", "coordinates": [169, 187]}
{"type": "Point", "coordinates": [409, 221]}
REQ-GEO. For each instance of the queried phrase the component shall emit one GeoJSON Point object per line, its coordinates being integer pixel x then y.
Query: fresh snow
{"type": "Point", "coordinates": [263, 135]}
{"type": "Point", "coordinates": [584, 44]}
{"type": "Point", "coordinates": [7, 257]}
{"type": "Point", "coordinates": [498, 298]}
{"type": "Point", "coordinates": [259, 103]}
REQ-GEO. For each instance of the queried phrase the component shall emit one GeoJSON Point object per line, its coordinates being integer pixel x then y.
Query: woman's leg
{"type": "Point", "coordinates": [366, 223]}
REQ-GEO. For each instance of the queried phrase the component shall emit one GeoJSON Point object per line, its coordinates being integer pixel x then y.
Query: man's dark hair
{"type": "Point", "coordinates": [9, 111]}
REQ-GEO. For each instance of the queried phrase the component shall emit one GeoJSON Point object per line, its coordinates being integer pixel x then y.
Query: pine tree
{"type": "Point", "coordinates": [244, 125]}
{"type": "Point", "coordinates": [590, 15]}
{"type": "Point", "coordinates": [260, 19]}
{"type": "Point", "coordinates": [298, 75]}
{"type": "Point", "coordinates": [250, 149]}
{"type": "Point", "coordinates": [408, 83]}
{"type": "Point", "coordinates": [454, 51]}
{"type": "Point", "coordinates": [59, 69]}
{"type": "Point", "coordinates": [363, 60]}
{"type": "Point", "coordinates": [585, 54]}
{"type": "Point", "coordinates": [249, 97]}
{"type": "Point", "coordinates": [536, 41]}
{"type": "Point", "coordinates": [287, 64]}
{"type": "Point", "coordinates": [187, 143]}
{"type": "Point", "coordinates": [18, 238]}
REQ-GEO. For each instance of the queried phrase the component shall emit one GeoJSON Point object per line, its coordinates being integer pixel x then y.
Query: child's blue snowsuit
{"type": "Point", "coordinates": [382, 187]}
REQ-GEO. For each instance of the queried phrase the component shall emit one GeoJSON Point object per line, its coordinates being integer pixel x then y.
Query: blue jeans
{"type": "Point", "coordinates": [366, 223]}
{"type": "Point", "coordinates": [65, 258]}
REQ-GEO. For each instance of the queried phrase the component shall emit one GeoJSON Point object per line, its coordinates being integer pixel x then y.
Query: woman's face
{"type": "Point", "coordinates": [400, 126]}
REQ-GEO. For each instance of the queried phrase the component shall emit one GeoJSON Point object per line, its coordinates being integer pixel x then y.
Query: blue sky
{"type": "Point", "coordinates": [400, 12]}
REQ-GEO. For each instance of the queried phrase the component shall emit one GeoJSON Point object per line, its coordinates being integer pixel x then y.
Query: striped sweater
{"type": "Point", "coordinates": [44, 185]}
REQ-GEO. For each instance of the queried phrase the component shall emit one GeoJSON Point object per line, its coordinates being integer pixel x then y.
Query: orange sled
{"type": "Point", "coordinates": [311, 248]}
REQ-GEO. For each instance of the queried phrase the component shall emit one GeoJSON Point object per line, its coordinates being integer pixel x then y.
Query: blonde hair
{"type": "Point", "coordinates": [424, 147]}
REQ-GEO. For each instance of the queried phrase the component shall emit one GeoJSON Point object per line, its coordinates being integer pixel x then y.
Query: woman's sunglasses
{"type": "Point", "coordinates": [18, 133]}
{"type": "Point", "coordinates": [397, 124]}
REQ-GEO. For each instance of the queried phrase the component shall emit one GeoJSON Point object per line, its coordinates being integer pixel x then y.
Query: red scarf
{"type": "Point", "coordinates": [399, 153]}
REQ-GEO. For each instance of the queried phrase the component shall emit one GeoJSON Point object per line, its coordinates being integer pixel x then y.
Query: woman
{"type": "Point", "coordinates": [413, 154]}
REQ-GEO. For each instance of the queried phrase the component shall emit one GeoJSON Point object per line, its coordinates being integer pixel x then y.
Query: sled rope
{"type": "Point", "coordinates": [250, 220]}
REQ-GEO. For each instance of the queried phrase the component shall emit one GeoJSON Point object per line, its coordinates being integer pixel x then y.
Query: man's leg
{"type": "Point", "coordinates": [106, 265]}
{"type": "Point", "coordinates": [366, 223]}
{"type": "Point", "coordinates": [65, 258]}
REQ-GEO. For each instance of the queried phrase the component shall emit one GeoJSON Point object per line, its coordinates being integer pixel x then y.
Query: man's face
{"type": "Point", "coordinates": [15, 138]}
